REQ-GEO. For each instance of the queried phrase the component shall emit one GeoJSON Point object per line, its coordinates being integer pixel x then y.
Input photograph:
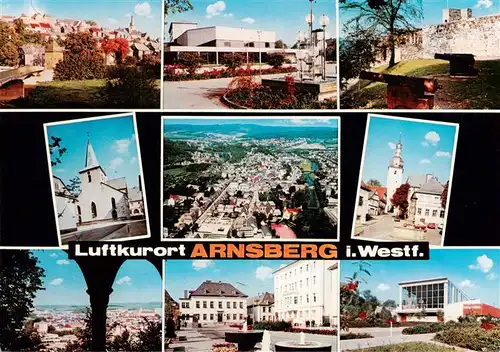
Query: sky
{"type": "Point", "coordinates": [427, 148]}
{"type": "Point", "coordinates": [148, 15]}
{"type": "Point", "coordinates": [249, 276]}
{"type": "Point", "coordinates": [433, 10]}
{"type": "Point", "coordinates": [302, 122]}
{"type": "Point", "coordinates": [137, 281]}
{"type": "Point", "coordinates": [284, 17]}
{"type": "Point", "coordinates": [114, 143]}
{"type": "Point", "coordinates": [475, 271]}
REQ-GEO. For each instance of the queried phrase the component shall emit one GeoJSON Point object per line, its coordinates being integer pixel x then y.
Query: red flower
{"type": "Point", "coordinates": [362, 315]}
{"type": "Point", "coordinates": [488, 326]}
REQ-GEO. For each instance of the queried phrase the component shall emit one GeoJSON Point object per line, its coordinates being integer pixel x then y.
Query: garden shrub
{"type": "Point", "coordinates": [353, 336]}
{"type": "Point", "coordinates": [423, 329]}
{"type": "Point", "coordinates": [473, 338]}
{"type": "Point", "coordinates": [88, 64]}
{"type": "Point", "coordinates": [190, 61]}
{"type": "Point", "coordinates": [233, 60]}
{"type": "Point", "coordinates": [273, 325]}
{"type": "Point", "coordinates": [276, 59]}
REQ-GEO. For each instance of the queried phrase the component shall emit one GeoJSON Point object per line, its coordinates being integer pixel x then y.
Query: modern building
{"type": "Point", "coordinates": [261, 307]}
{"type": "Point", "coordinates": [422, 300]}
{"type": "Point", "coordinates": [307, 291]}
{"type": "Point", "coordinates": [214, 303]}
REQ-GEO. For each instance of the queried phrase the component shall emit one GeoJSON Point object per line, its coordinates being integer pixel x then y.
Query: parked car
{"type": "Point", "coordinates": [431, 225]}
{"type": "Point", "coordinates": [440, 226]}
{"type": "Point", "coordinates": [420, 226]}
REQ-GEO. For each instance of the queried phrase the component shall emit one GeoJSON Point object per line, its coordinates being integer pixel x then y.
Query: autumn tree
{"type": "Point", "coordinates": [118, 47]}
{"type": "Point", "coordinates": [444, 195]}
{"type": "Point", "coordinates": [400, 199]}
{"type": "Point", "coordinates": [387, 18]}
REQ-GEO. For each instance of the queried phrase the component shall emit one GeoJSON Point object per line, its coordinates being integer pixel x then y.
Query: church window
{"type": "Point", "coordinates": [394, 172]}
{"type": "Point", "coordinates": [79, 210]}
{"type": "Point", "coordinates": [113, 203]}
{"type": "Point", "coordinates": [419, 211]}
{"type": "Point", "coordinates": [93, 209]}
{"type": "Point", "coordinates": [434, 213]}
{"type": "Point", "coordinates": [426, 212]}
{"type": "Point", "coordinates": [89, 176]}
{"type": "Point", "coordinates": [441, 214]}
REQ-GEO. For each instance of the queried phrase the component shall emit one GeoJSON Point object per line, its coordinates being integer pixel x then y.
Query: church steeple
{"type": "Point", "coordinates": [397, 158]}
{"type": "Point", "coordinates": [90, 157]}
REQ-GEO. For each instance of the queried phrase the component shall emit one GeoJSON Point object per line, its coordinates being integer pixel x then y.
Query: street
{"type": "Point", "coordinates": [107, 231]}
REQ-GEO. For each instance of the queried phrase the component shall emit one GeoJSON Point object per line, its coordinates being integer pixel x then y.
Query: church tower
{"type": "Point", "coordinates": [394, 173]}
{"type": "Point", "coordinates": [92, 174]}
{"type": "Point", "coordinates": [131, 25]}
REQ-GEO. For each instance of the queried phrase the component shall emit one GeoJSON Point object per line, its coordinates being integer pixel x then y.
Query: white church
{"type": "Point", "coordinates": [424, 196]}
{"type": "Point", "coordinates": [100, 199]}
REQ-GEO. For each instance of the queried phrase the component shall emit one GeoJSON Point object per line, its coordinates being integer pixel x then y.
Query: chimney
{"type": "Point", "coordinates": [185, 293]}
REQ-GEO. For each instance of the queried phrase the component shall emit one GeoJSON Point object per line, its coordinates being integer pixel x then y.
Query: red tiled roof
{"type": "Point", "coordinates": [223, 289]}
{"type": "Point", "coordinates": [293, 210]}
{"type": "Point", "coordinates": [33, 25]}
{"type": "Point", "coordinates": [95, 29]}
{"type": "Point", "coordinates": [45, 25]}
{"type": "Point", "coordinates": [381, 191]}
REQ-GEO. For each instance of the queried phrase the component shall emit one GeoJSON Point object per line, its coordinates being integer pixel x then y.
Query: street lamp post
{"type": "Point", "coordinates": [260, 56]}
{"type": "Point", "coordinates": [324, 21]}
{"type": "Point", "coordinates": [310, 21]}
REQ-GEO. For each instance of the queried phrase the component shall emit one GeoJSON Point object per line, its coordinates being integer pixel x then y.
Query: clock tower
{"type": "Point", "coordinates": [394, 173]}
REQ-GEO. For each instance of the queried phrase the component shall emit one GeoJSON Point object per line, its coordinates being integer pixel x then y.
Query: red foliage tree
{"type": "Point", "coordinates": [444, 195]}
{"type": "Point", "coordinates": [109, 46]}
{"type": "Point", "coordinates": [119, 47]}
{"type": "Point", "coordinates": [400, 199]}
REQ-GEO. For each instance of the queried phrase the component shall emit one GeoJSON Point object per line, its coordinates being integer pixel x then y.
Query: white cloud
{"type": "Point", "coordinates": [483, 263]}
{"type": "Point", "coordinates": [491, 276]}
{"type": "Point", "coordinates": [53, 255]}
{"type": "Point", "coordinates": [57, 282]}
{"type": "Point", "coordinates": [215, 9]}
{"type": "Point", "coordinates": [229, 15]}
{"type": "Point", "coordinates": [121, 145]}
{"type": "Point", "coordinates": [142, 9]}
{"type": "Point", "coordinates": [466, 283]}
{"type": "Point", "coordinates": [62, 262]}
{"type": "Point", "coordinates": [432, 138]}
{"type": "Point", "coordinates": [115, 163]}
{"type": "Point", "coordinates": [264, 273]}
{"type": "Point", "coordinates": [483, 3]}
{"type": "Point", "coordinates": [133, 160]}
{"type": "Point", "coordinates": [124, 280]}
{"type": "Point", "coordinates": [383, 287]}
{"type": "Point", "coordinates": [202, 264]}
{"type": "Point", "coordinates": [442, 154]}
{"type": "Point", "coordinates": [112, 20]}
{"type": "Point", "coordinates": [425, 144]}
{"type": "Point", "coordinates": [392, 145]}
{"type": "Point", "coordinates": [425, 161]}
{"type": "Point", "coordinates": [248, 20]}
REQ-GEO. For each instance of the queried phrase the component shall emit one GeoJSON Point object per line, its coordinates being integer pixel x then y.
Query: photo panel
{"type": "Point", "coordinates": [261, 178]}
{"type": "Point", "coordinates": [97, 179]}
{"type": "Point", "coordinates": [244, 305]}
{"type": "Point", "coordinates": [232, 55]}
{"type": "Point", "coordinates": [405, 180]}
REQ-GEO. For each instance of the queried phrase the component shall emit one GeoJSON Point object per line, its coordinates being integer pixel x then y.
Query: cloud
{"type": "Point", "coordinates": [483, 3]}
{"type": "Point", "coordinates": [392, 145]}
{"type": "Point", "coordinates": [53, 255]}
{"type": "Point", "coordinates": [248, 20]}
{"type": "Point", "coordinates": [264, 273]}
{"type": "Point", "coordinates": [124, 280]}
{"type": "Point", "coordinates": [202, 264]}
{"type": "Point", "coordinates": [133, 160]}
{"type": "Point", "coordinates": [466, 283]}
{"type": "Point", "coordinates": [425, 161]}
{"type": "Point", "coordinates": [483, 263]}
{"type": "Point", "coordinates": [142, 9]}
{"type": "Point", "coordinates": [57, 282]}
{"type": "Point", "coordinates": [112, 20]}
{"type": "Point", "coordinates": [115, 163]}
{"type": "Point", "coordinates": [425, 144]}
{"type": "Point", "coordinates": [215, 9]}
{"type": "Point", "coordinates": [121, 145]}
{"type": "Point", "coordinates": [128, 15]}
{"type": "Point", "coordinates": [442, 154]}
{"type": "Point", "coordinates": [383, 287]}
{"type": "Point", "coordinates": [491, 276]}
{"type": "Point", "coordinates": [62, 262]}
{"type": "Point", "coordinates": [432, 138]}
{"type": "Point", "coordinates": [229, 15]}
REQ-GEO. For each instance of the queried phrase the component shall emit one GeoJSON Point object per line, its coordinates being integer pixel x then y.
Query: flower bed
{"type": "Point", "coordinates": [358, 323]}
{"type": "Point", "coordinates": [315, 331]}
{"type": "Point", "coordinates": [406, 347]}
{"type": "Point", "coordinates": [474, 338]}
{"type": "Point", "coordinates": [171, 73]}
{"type": "Point", "coordinates": [224, 347]}
{"type": "Point", "coordinates": [353, 336]}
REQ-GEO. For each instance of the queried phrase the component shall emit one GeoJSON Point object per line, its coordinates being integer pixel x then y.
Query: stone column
{"type": "Point", "coordinates": [216, 57]}
{"type": "Point", "coordinates": [99, 299]}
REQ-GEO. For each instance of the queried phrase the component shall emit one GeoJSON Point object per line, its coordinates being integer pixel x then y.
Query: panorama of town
{"type": "Point", "coordinates": [244, 180]}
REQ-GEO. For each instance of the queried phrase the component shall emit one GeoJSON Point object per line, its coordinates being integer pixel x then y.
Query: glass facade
{"type": "Point", "coordinates": [423, 296]}
{"type": "Point", "coordinates": [455, 295]}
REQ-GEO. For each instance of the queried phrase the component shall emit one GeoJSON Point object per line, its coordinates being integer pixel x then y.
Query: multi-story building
{"type": "Point", "coordinates": [214, 303]}
{"type": "Point", "coordinates": [261, 307]}
{"type": "Point", "coordinates": [307, 290]}
{"type": "Point", "coordinates": [423, 299]}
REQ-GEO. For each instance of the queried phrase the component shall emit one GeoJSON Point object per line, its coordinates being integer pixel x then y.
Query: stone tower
{"type": "Point", "coordinates": [131, 25]}
{"type": "Point", "coordinates": [394, 173]}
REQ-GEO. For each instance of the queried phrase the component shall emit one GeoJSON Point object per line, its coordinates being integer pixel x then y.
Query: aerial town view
{"type": "Point", "coordinates": [82, 55]}
{"type": "Point", "coordinates": [445, 304]}
{"type": "Point", "coordinates": [405, 179]}
{"type": "Point", "coordinates": [57, 308]}
{"type": "Point", "coordinates": [232, 55]}
{"type": "Point", "coordinates": [251, 305]}
{"type": "Point", "coordinates": [97, 183]}
{"type": "Point", "coordinates": [250, 179]}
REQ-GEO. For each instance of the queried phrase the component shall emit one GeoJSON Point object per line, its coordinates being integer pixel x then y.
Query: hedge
{"type": "Point", "coordinates": [316, 331]}
{"type": "Point", "coordinates": [354, 336]}
{"type": "Point", "coordinates": [273, 325]}
{"type": "Point", "coordinates": [473, 338]}
{"type": "Point", "coordinates": [424, 329]}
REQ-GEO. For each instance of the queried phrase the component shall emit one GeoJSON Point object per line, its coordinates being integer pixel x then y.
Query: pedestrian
{"type": "Point", "coordinates": [170, 327]}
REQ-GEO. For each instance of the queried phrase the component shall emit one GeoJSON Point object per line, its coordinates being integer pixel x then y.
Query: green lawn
{"type": "Point", "coordinates": [476, 93]}
{"type": "Point", "coordinates": [407, 347]}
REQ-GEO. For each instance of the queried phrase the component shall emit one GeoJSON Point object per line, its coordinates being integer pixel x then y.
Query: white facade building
{"type": "Point", "coordinates": [362, 208]}
{"type": "Point", "coordinates": [214, 303]}
{"type": "Point", "coordinates": [394, 173]}
{"type": "Point", "coordinates": [425, 204]}
{"type": "Point", "coordinates": [261, 308]}
{"type": "Point", "coordinates": [307, 290]}
{"type": "Point", "coordinates": [66, 206]}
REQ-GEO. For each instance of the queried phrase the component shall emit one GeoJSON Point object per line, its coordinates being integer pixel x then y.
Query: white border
{"type": "Point", "coordinates": [162, 51]}
{"type": "Point", "coordinates": [260, 117]}
{"type": "Point", "coordinates": [337, 48]}
{"type": "Point", "coordinates": [163, 317]}
{"type": "Point", "coordinates": [139, 160]}
{"type": "Point", "coordinates": [361, 168]}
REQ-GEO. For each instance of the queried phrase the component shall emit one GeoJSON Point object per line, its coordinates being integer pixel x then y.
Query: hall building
{"type": "Point", "coordinates": [261, 307]}
{"type": "Point", "coordinates": [307, 291]}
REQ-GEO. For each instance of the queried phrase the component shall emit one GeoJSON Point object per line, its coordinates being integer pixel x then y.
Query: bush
{"type": "Point", "coordinates": [88, 64]}
{"type": "Point", "coordinates": [353, 336]}
{"type": "Point", "coordinates": [273, 325]}
{"type": "Point", "coordinates": [473, 338]}
{"type": "Point", "coordinates": [423, 329]}
{"type": "Point", "coordinates": [233, 60]}
{"type": "Point", "coordinates": [190, 61]}
{"type": "Point", "coordinates": [276, 59]}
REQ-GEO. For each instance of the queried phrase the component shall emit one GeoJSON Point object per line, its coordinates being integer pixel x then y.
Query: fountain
{"type": "Point", "coordinates": [266, 342]}
{"type": "Point", "coordinates": [246, 339]}
{"type": "Point", "coordinates": [302, 345]}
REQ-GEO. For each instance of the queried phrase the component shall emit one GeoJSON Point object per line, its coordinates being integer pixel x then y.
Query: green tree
{"type": "Point", "coordinates": [74, 186]}
{"type": "Point", "coordinates": [374, 182]}
{"type": "Point", "coordinates": [56, 150]}
{"type": "Point", "coordinates": [390, 303]}
{"type": "Point", "coordinates": [9, 43]}
{"type": "Point", "coordinates": [177, 6]}
{"type": "Point", "coordinates": [20, 279]}
{"type": "Point", "coordinates": [149, 337]}
{"type": "Point", "coordinates": [279, 44]}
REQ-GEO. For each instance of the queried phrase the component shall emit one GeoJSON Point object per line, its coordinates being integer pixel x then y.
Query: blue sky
{"type": "Point", "coordinates": [475, 271]}
{"type": "Point", "coordinates": [137, 281]}
{"type": "Point", "coordinates": [427, 148]}
{"type": "Point", "coordinates": [433, 10]}
{"type": "Point", "coordinates": [107, 13]}
{"type": "Point", "coordinates": [249, 276]}
{"type": "Point", "coordinates": [284, 17]}
{"type": "Point", "coordinates": [323, 122]}
{"type": "Point", "coordinates": [113, 140]}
